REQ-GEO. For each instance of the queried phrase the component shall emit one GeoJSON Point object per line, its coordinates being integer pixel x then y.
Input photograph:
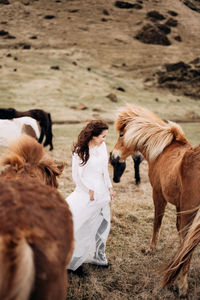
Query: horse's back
{"type": "Point", "coordinates": [190, 176]}
{"type": "Point", "coordinates": [11, 129]}
{"type": "Point", "coordinates": [191, 160]}
{"type": "Point", "coordinates": [19, 204]}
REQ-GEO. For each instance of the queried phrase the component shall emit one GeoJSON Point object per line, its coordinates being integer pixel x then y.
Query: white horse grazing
{"type": "Point", "coordinates": [13, 128]}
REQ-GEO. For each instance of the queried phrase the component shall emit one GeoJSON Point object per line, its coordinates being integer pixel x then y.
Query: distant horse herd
{"type": "Point", "coordinates": [36, 240]}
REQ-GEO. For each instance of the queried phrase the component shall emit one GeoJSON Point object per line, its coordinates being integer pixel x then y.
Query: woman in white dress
{"type": "Point", "coordinates": [89, 203]}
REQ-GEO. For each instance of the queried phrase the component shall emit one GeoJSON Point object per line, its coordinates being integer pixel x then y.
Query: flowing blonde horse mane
{"type": "Point", "coordinates": [145, 132]}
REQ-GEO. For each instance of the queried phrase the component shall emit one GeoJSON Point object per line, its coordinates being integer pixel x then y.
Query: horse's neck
{"type": "Point", "coordinates": [173, 154]}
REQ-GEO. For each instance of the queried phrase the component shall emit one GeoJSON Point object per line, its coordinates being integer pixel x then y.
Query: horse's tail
{"type": "Point", "coordinates": [49, 117]}
{"type": "Point", "coordinates": [183, 255]}
{"type": "Point", "coordinates": [17, 270]}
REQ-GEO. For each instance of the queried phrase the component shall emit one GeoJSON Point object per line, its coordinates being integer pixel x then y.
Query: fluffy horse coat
{"type": "Point", "coordinates": [36, 230]}
{"type": "Point", "coordinates": [174, 166]}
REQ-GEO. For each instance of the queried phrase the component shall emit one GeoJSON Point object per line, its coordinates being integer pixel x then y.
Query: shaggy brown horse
{"type": "Point", "coordinates": [40, 115]}
{"type": "Point", "coordinates": [174, 166]}
{"type": "Point", "coordinates": [36, 230]}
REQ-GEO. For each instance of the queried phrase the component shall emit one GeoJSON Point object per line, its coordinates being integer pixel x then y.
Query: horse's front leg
{"type": "Point", "coordinates": [159, 206]}
{"type": "Point", "coordinates": [137, 162]}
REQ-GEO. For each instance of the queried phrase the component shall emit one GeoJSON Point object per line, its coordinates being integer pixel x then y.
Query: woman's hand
{"type": "Point", "coordinates": [111, 193]}
{"type": "Point", "coordinates": [91, 193]}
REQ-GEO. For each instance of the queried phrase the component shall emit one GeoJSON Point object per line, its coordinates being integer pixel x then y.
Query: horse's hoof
{"type": "Point", "coordinates": [183, 288]}
{"type": "Point", "coordinates": [148, 251]}
{"type": "Point", "coordinates": [183, 293]}
{"type": "Point", "coordinates": [183, 296]}
{"type": "Point", "coordinates": [80, 272]}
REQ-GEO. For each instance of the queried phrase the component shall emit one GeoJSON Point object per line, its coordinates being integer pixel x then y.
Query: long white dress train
{"type": "Point", "coordinates": [91, 218]}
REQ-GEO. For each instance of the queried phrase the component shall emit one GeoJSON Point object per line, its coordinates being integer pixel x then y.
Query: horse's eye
{"type": "Point", "coordinates": [121, 135]}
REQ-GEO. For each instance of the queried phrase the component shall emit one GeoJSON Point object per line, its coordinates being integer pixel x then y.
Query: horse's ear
{"type": "Point", "coordinates": [61, 166]}
{"type": "Point", "coordinates": [120, 124]}
{"type": "Point", "coordinates": [57, 169]}
{"type": "Point", "coordinates": [52, 171]}
{"type": "Point", "coordinates": [13, 160]}
{"type": "Point", "coordinates": [51, 168]}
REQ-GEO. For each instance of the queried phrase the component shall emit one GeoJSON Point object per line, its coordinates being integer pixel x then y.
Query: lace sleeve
{"type": "Point", "coordinates": [77, 173]}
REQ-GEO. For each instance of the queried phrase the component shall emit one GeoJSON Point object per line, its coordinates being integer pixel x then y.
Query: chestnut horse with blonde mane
{"type": "Point", "coordinates": [174, 167]}
{"type": "Point", "coordinates": [36, 229]}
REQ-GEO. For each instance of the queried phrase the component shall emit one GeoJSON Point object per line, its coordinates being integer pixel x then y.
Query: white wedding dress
{"type": "Point", "coordinates": [91, 218]}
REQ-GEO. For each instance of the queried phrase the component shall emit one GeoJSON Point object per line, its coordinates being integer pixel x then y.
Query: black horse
{"type": "Point", "coordinates": [40, 115]}
{"type": "Point", "coordinates": [119, 166]}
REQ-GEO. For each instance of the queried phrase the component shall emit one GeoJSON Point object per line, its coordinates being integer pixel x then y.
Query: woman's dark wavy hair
{"type": "Point", "coordinates": [81, 147]}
